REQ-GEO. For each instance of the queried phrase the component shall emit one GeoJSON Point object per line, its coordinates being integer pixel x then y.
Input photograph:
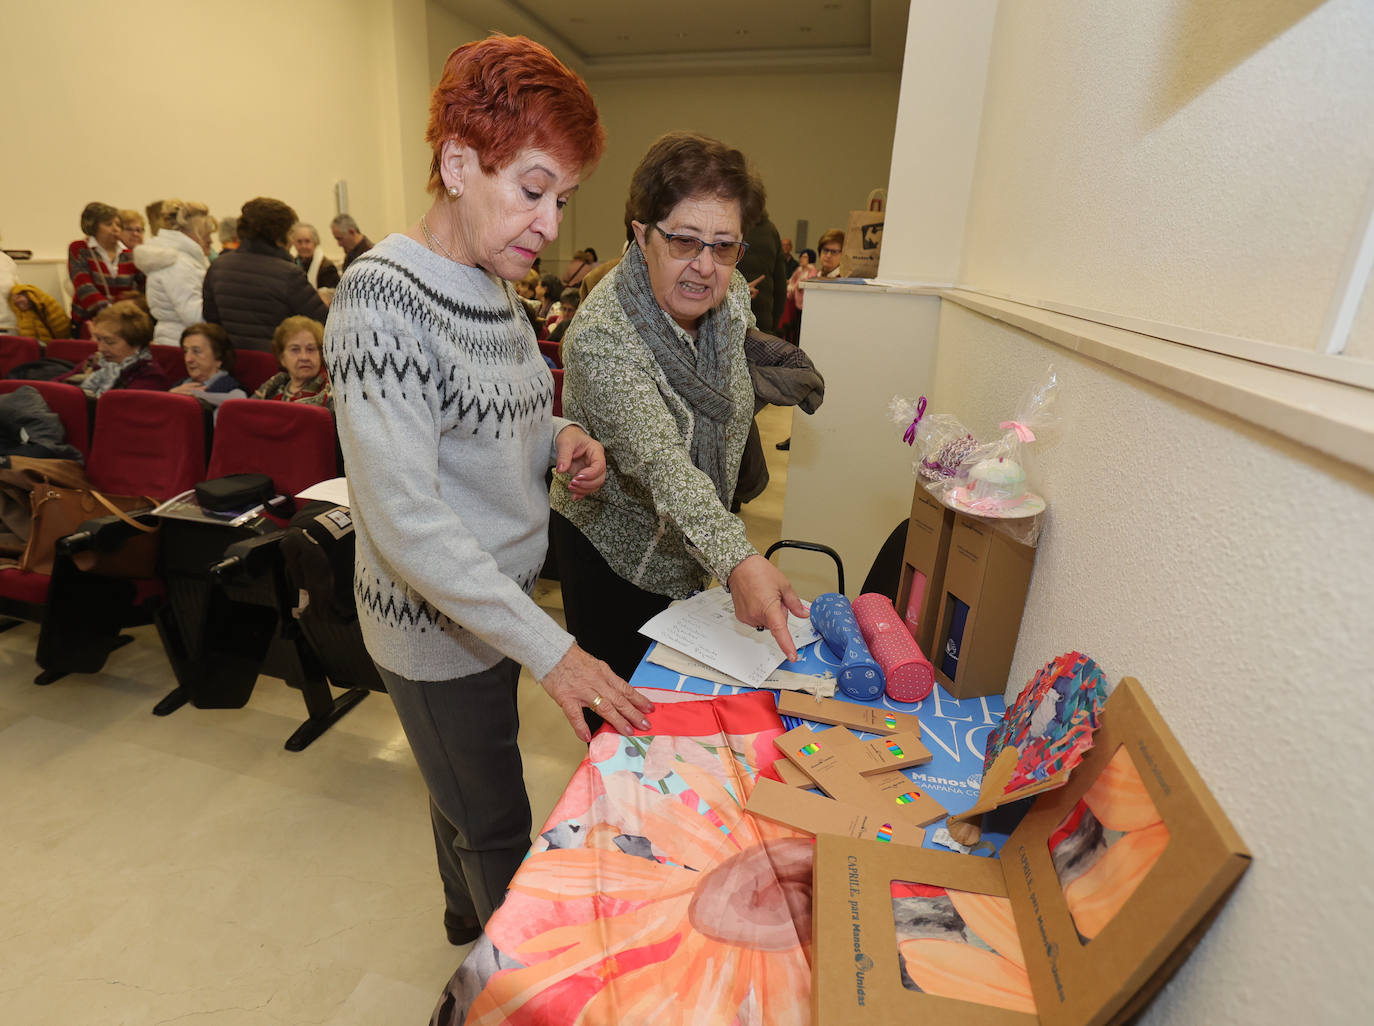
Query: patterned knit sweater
{"type": "Point", "coordinates": [657, 520]}
{"type": "Point", "coordinates": [444, 411]}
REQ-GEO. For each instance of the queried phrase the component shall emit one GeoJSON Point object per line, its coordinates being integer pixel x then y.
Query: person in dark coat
{"type": "Point", "coordinates": [765, 270]}
{"type": "Point", "coordinates": [250, 290]}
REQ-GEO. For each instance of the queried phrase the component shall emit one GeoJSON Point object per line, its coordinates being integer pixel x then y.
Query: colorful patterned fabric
{"type": "Point", "coordinates": [1051, 723]}
{"type": "Point", "coordinates": [650, 895]}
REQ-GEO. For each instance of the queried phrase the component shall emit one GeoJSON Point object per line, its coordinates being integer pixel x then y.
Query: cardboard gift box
{"type": "Point", "coordinates": [983, 594]}
{"type": "Point", "coordinates": [1098, 896]}
{"type": "Point", "coordinates": [923, 567]}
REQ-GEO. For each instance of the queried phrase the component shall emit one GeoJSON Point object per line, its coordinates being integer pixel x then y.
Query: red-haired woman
{"type": "Point", "coordinates": [444, 412]}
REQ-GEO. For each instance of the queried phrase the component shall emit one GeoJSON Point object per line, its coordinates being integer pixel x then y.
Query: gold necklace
{"type": "Point", "coordinates": [434, 243]}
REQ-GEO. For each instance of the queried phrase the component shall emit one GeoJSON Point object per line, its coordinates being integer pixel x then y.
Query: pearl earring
{"type": "Point", "coordinates": [453, 191]}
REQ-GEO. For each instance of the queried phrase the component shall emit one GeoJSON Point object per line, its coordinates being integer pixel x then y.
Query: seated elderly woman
{"type": "Point", "coordinates": [123, 332]}
{"type": "Point", "coordinates": [298, 343]}
{"type": "Point", "coordinates": [100, 266]}
{"type": "Point", "coordinates": [209, 357]}
{"type": "Point", "coordinates": [654, 366]}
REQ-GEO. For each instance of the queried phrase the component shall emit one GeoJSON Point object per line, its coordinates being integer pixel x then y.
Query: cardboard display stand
{"type": "Point", "coordinates": [1109, 882]}
{"type": "Point", "coordinates": [989, 572]}
{"type": "Point", "coordinates": [923, 568]}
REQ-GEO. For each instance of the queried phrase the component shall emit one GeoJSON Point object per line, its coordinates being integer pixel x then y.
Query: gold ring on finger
{"type": "Point", "coordinates": [596, 702]}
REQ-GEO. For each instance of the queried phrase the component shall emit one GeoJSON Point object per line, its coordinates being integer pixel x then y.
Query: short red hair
{"type": "Point", "coordinates": [503, 94]}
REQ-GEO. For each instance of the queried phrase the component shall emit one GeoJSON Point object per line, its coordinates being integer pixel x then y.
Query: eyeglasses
{"type": "Point", "coordinates": [831, 251]}
{"type": "Point", "coordinates": [686, 247]}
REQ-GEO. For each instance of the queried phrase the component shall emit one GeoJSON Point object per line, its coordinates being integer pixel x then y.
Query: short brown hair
{"type": "Point", "coordinates": [684, 165]}
{"type": "Point", "coordinates": [503, 94]}
{"type": "Point", "coordinates": [218, 339]}
{"type": "Point", "coordinates": [290, 326]}
{"type": "Point", "coordinates": [93, 215]}
{"type": "Point", "coordinates": [267, 219]}
{"type": "Point", "coordinates": [127, 320]}
{"type": "Point", "coordinates": [835, 235]}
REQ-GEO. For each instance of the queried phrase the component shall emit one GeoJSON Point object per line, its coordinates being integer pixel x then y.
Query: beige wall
{"type": "Point", "coordinates": [819, 146]}
{"type": "Point", "coordinates": [1194, 164]}
{"type": "Point", "coordinates": [226, 111]}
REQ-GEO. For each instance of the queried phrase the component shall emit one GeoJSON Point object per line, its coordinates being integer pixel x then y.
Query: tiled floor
{"type": "Point", "coordinates": [188, 869]}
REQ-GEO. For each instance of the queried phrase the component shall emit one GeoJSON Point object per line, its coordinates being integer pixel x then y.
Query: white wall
{"type": "Point", "coordinates": [1199, 164]}
{"type": "Point", "coordinates": [246, 99]}
{"type": "Point", "coordinates": [1191, 163]}
{"type": "Point", "coordinates": [936, 146]}
{"type": "Point", "coordinates": [1228, 570]}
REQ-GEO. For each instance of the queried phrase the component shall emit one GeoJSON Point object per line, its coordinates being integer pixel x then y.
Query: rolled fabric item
{"type": "Point", "coordinates": [909, 675]}
{"type": "Point", "coordinates": [858, 675]}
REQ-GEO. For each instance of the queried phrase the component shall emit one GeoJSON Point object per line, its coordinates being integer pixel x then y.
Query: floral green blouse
{"type": "Point", "coordinates": [657, 521]}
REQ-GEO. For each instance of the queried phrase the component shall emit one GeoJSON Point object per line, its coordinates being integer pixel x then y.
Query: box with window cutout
{"type": "Point", "coordinates": [1098, 896]}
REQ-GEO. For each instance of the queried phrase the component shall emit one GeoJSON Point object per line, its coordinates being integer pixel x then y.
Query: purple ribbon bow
{"type": "Point", "coordinates": [910, 437]}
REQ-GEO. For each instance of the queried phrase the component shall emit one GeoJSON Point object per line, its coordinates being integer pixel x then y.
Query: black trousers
{"type": "Point", "coordinates": [604, 611]}
{"type": "Point", "coordinates": [463, 734]}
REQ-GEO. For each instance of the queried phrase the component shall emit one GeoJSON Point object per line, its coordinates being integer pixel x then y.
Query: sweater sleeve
{"type": "Point", "coordinates": [88, 298]}
{"type": "Point", "coordinates": [620, 398]}
{"type": "Point", "coordinates": [425, 541]}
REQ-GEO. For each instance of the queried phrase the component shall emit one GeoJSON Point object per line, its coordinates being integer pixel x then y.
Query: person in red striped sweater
{"type": "Point", "coordinates": [101, 267]}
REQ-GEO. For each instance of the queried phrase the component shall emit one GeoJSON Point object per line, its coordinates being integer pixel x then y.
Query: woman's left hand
{"type": "Point", "coordinates": [582, 457]}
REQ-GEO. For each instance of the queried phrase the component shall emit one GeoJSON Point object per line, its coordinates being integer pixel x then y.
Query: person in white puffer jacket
{"type": "Point", "coordinates": [175, 262]}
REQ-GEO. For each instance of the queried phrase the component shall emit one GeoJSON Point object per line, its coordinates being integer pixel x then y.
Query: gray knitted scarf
{"type": "Point", "coordinates": [701, 379]}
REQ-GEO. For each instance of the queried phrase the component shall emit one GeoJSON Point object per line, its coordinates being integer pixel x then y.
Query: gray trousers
{"type": "Point", "coordinates": [463, 734]}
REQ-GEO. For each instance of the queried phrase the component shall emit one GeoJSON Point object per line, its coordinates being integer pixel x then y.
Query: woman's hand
{"type": "Point", "coordinates": [581, 680]}
{"type": "Point", "coordinates": [581, 456]}
{"type": "Point", "coordinates": [188, 388]}
{"type": "Point", "coordinates": [763, 597]}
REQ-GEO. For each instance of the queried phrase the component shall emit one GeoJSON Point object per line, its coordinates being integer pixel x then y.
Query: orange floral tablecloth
{"type": "Point", "coordinates": [650, 896]}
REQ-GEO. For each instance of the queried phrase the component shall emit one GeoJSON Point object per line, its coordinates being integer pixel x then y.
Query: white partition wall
{"type": "Point", "coordinates": [849, 478]}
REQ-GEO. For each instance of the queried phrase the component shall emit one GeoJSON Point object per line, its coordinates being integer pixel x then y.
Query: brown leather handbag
{"type": "Point", "coordinates": [60, 501]}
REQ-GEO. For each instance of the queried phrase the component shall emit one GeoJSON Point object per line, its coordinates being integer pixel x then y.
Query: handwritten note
{"type": "Point", "coordinates": [704, 627]}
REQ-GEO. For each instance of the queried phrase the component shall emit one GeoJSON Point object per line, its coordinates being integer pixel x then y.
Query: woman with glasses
{"type": "Point", "coordinates": [654, 366]}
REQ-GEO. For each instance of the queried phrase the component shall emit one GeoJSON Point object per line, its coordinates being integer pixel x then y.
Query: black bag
{"type": "Point", "coordinates": [235, 493]}
{"type": "Point", "coordinates": [45, 369]}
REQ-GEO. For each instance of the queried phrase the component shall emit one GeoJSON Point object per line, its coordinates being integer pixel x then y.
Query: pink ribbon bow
{"type": "Point", "coordinates": [1024, 433]}
{"type": "Point", "coordinates": [910, 437]}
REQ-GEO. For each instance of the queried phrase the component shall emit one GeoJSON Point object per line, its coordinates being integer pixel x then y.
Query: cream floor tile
{"type": "Point", "coordinates": [189, 869]}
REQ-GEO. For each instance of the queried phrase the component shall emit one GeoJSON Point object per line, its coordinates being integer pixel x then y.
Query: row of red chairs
{"type": "Point", "coordinates": [251, 366]}
{"type": "Point", "coordinates": [155, 444]}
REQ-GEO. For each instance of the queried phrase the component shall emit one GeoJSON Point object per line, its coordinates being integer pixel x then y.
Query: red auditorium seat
{"type": "Point", "coordinates": [253, 367]}
{"type": "Point", "coordinates": [171, 361]}
{"type": "Point", "coordinates": [558, 391]}
{"type": "Point", "coordinates": [16, 349]}
{"type": "Point", "coordinates": [291, 443]}
{"type": "Point", "coordinates": [76, 350]}
{"type": "Point", "coordinates": [550, 349]}
{"type": "Point", "coordinates": [145, 443]}
{"type": "Point", "coordinates": [68, 402]}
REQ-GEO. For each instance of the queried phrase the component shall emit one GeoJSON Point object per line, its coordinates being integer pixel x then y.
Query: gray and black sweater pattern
{"type": "Point", "coordinates": [444, 408]}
